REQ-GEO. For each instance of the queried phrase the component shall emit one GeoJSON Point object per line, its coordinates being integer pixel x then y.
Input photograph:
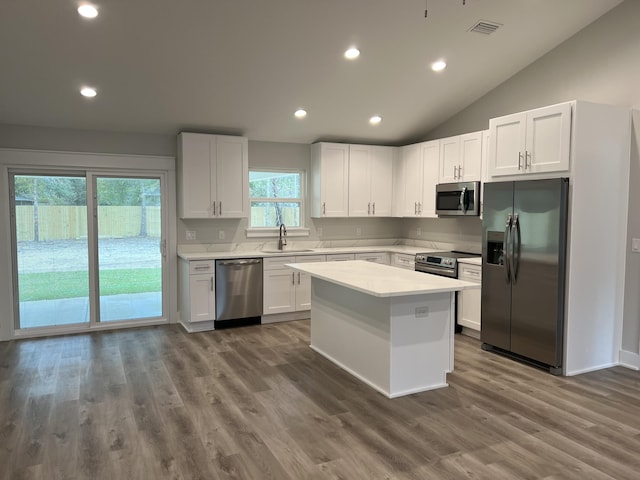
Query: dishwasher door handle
{"type": "Point", "coordinates": [250, 261]}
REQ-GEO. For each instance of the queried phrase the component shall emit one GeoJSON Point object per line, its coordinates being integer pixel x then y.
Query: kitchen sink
{"type": "Point", "coordinates": [293, 250]}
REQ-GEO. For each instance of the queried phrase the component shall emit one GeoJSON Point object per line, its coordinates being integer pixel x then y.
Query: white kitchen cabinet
{"type": "Point", "coordinates": [212, 176]}
{"type": "Point", "coordinates": [485, 171]}
{"type": "Point", "coordinates": [329, 180]}
{"type": "Point", "coordinates": [532, 142]}
{"type": "Point", "coordinates": [420, 175]}
{"type": "Point", "coordinates": [469, 300]}
{"type": "Point", "coordinates": [376, 257]}
{"type": "Point", "coordinates": [340, 257]}
{"type": "Point", "coordinates": [197, 294]}
{"type": "Point", "coordinates": [403, 260]}
{"type": "Point", "coordinates": [429, 156]}
{"type": "Point", "coordinates": [370, 180]}
{"type": "Point", "coordinates": [286, 290]}
{"type": "Point", "coordinates": [461, 158]}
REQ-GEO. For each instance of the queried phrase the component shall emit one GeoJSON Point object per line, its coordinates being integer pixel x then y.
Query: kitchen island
{"type": "Point", "coordinates": [391, 328]}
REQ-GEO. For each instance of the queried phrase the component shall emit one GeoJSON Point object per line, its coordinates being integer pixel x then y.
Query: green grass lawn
{"type": "Point", "coordinates": [55, 285]}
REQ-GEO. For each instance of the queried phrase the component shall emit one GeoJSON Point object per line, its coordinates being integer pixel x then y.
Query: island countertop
{"type": "Point", "coordinates": [381, 280]}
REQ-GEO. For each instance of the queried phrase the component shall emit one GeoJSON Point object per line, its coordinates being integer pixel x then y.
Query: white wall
{"type": "Point", "coordinates": [599, 64]}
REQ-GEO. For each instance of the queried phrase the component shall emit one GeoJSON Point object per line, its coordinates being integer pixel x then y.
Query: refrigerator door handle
{"type": "Point", "coordinates": [517, 241]}
{"type": "Point", "coordinates": [505, 243]}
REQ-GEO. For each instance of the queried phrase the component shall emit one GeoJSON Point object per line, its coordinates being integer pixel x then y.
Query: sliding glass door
{"type": "Point", "coordinates": [51, 249]}
{"type": "Point", "coordinates": [89, 248]}
{"type": "Point", "coordinates": [129, 233]}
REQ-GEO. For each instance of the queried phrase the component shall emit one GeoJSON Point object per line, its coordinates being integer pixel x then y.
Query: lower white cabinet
{"type": "Point", "coordinates": [468, 308]}
{"type": "Point", "coordinates": [286, 290]}
{"type": "Point", "coordinates": [403, 260]}
{"type": "Point", "coordinates": [340, 257]}
{"type": "Point", "coordinates": [376, 257]}
{"type": "Point", "coordinates": [197, 293]}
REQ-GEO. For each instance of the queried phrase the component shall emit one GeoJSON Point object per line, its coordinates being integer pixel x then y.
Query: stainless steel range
{"type": "Point", "coordinates": [444, 264]}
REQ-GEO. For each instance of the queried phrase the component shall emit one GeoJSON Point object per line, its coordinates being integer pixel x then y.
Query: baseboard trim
{"type": "Point", "coordinates": [630, 360]}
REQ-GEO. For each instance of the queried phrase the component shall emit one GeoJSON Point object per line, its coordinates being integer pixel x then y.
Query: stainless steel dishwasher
{"type": "Point", "coordinates": [238, 288]}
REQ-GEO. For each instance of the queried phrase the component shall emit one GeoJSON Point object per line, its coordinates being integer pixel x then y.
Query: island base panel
{"type": "Point", "coordinates": [380, 340]}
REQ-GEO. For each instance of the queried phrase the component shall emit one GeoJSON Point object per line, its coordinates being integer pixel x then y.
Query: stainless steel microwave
{"type": "Point", "coordinates": [454, 199]}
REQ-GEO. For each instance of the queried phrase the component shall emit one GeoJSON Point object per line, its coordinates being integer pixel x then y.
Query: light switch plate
{"type": "Point", "coordinates": [221, 235]}
{"type": "Point", "coordinates": [191, 234]}
{"type": "Point", "coordinates": [635, 245]}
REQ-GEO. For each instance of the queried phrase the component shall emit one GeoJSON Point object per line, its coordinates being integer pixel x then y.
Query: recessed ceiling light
{"type": "Point", "coordinates": [375, 120]}
{"type": "Point", "coordinates": [87, 10]}
{"type": "Point", "coordinates": [438, 66]}
{"type": "Point", "coordinates": [352, 53]}
{"type": "Point", "coordinates": [300, 113]}
{"type": "Point", "coordinates": [88, 92]}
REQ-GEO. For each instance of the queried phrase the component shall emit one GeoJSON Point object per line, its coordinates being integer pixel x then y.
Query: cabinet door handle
{"type": "Point", "coordinates": [293, 278]}
{"type": "Point", "coordinates": [419, 208]}
{"type": "Point", "coordinates": [369, 209]}
{"type": "Point", "coordinates": [459, 171]}
{"type": "Point", "coordinates": [298, 278]}
{"type": "Point", "coordinates": [374, 208]}
{"type": "Point", "coordinates": [220, 209]}
{"type": "Point", "coordinates": [201, 267]}
{"type": "Point", "coordinates": [214, 209]}
{"type": "Point", "coordinates": [527, 156]}
{"type": "Point", "coordinates": [455, 171]}
{"type": "Point", "coordinates": [324, 208]}
{"type": "Point", "coordinates": [520, 161]}
{"type": "Point", "coordinates": [415, 208]}
{"type": "Point", "coordinates": [212, 284]}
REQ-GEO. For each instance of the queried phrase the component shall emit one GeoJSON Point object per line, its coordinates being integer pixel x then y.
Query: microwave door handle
{"type": "Point", "coordinates": [505, 247]}
{"type": "Point", "coordinates": [463, 195]}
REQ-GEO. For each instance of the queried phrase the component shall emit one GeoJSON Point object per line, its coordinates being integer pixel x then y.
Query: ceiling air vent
{"type": "Point", "coordinates": [485, 27]}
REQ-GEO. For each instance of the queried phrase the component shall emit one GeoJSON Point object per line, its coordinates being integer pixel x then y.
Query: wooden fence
{"type": "Point", "coordinates": [69, 222]}
{"type": "Point", "coordinates": [261, 218]}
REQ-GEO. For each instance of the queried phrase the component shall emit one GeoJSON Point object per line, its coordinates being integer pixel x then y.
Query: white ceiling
{"type": "Point", "coordinates": [244, 66]}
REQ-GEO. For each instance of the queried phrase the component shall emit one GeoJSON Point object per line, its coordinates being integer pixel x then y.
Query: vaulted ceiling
{"type": "Point", "coordinates": [244, 66]}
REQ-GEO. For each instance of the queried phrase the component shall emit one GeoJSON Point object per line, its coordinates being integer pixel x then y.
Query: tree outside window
{"type": "Point", "coordinates": [276, 198]}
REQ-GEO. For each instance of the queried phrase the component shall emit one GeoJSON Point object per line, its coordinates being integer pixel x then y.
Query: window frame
{"type": "Point", "coordinates": [301, 230]}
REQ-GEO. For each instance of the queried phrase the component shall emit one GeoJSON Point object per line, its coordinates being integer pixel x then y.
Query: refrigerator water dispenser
{"type": "Point", "coordinates": [495, 248]}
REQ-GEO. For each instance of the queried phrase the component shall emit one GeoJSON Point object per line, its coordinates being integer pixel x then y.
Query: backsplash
{"type": "Point", "coordinates": [447, 233]}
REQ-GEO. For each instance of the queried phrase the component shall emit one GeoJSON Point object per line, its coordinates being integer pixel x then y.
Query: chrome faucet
{"type": "Point", "coordinates": [282, 241]}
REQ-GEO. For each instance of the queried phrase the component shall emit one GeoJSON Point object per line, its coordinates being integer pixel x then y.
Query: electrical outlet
{"type": "Point", "coordinates": [635, 244]}
{"type": "Point", "coordinates": [191, 234]}
{"type": "Point", "coordinates": [319, 231]}
{"type": "Point", "coordinates": [221, 235]}
{"type": "Point", "coordinates": [422, 312]}
{"type": "Point", "coordinates": [358, 231]}
{"type": "Point", "coordinates": [419, 231]}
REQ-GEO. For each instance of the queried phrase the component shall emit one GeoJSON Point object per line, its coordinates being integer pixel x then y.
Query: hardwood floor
{"type": "Point", "coordinates": [258, 403]}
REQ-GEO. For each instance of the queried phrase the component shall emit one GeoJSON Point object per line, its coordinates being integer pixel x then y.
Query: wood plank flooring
{"type": "Point", "coordinates": [257, 403]}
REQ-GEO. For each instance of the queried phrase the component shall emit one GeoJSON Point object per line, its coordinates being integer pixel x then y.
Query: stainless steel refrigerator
{"type": "Point", "coordinates": [524, 243]}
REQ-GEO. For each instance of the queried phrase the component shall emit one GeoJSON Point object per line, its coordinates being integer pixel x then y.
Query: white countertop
{"type": "Point", "coordinates": [381, 280]}
{"type": "Point", "coordinates": [471, 261]}
{"type": "Point", "coordinates": [404, 249]}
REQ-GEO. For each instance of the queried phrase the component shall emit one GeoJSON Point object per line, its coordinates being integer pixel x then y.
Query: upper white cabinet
{"type": "Point", "coordinates": [212, 176]}
{"type": "Point", "coordinates": [370, 180]}
{"type": "Point", "coordinates": [461, 158]}
{"type": "Point", "coordinates": [419, 172]}
{"type": "Point", "coordinates": [329, 180]}
{"type": "Point", "coordinates": [537, 141]}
